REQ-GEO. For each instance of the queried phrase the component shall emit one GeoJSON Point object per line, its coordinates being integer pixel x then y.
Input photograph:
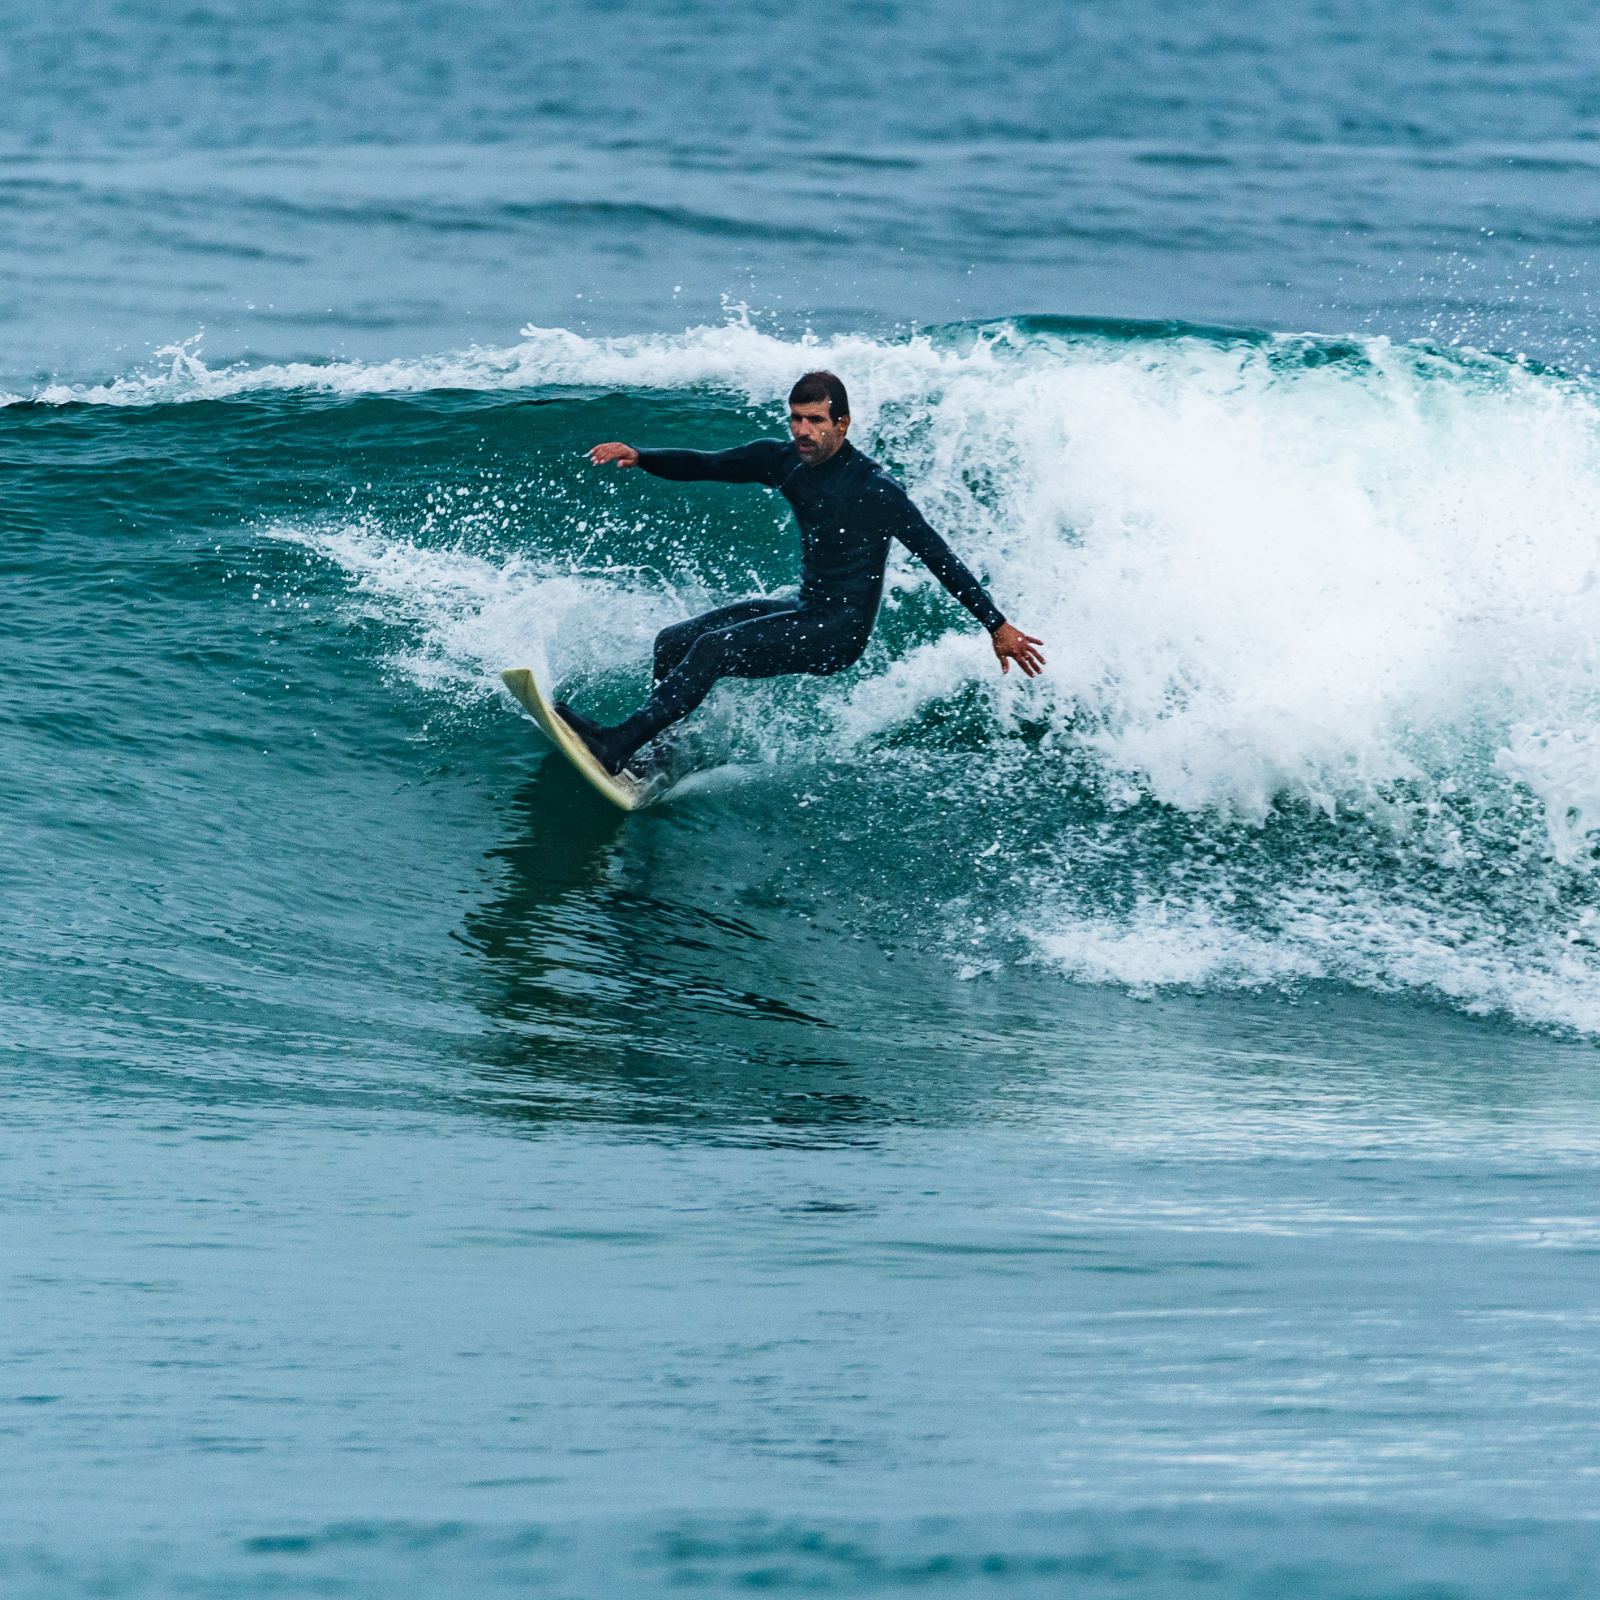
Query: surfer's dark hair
{"type": "Point", "coordinates": [817, 386]}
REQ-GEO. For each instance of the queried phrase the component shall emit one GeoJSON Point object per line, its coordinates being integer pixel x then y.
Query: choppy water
{"type": "Point", "coordinates": [1128, 1134]}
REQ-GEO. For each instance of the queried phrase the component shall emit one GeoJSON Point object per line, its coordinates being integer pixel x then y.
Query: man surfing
{"type": "Point", "coordinates": [848, 509]}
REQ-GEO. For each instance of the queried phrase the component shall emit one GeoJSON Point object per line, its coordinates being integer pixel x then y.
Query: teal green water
{"type": "Point", "coordinates": [422, 1177]}
{"type": "Point", "coordinates": [1124, 1135]}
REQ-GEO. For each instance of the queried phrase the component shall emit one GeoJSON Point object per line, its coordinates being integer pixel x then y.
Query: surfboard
{"type": "Point", "coordinates": [624, 790]}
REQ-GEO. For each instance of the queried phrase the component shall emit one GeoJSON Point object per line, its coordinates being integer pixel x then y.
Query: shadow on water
{"type": "Point", "coordinates": [678, 970]}
{"type": "Point", "coordinates": [658, 969]}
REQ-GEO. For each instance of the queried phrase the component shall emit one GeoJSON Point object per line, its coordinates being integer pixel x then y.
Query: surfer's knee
{"type": "Point", "coordinates": [672, 645]}
{"type": "Point", "coordinates": [709, 654]}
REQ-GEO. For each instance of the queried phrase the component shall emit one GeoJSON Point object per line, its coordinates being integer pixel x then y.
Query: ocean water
{"type": "Point", "coordinates": [1129, 1134]}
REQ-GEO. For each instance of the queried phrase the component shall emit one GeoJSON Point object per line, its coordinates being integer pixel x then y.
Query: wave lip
{"type": "Point", "coordinates": [739, 359]}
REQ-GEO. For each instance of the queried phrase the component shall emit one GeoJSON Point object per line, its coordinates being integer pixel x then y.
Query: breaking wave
{"type": "Point", "coordinates": [1321, 618]}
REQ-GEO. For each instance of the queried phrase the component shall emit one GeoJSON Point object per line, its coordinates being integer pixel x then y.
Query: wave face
{"type": "Point", "coordinates": [1321, 619]}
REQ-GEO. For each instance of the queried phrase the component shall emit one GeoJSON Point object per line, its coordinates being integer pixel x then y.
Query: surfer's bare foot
{"type": "Point", "coordinates": [592, 734]}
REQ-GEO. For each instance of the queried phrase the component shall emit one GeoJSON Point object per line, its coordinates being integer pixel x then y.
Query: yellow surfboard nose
{"type": "Point", "coordinates": [623, 790]}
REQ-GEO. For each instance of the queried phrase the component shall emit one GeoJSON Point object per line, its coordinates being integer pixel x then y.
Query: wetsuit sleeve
{"type": "Point", "coordinates": [757, 462]}
{"type": "Point", "coordinates": [911, 528]}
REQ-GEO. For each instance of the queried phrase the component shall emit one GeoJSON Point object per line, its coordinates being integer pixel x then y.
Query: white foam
{"type": "Point", "coordinates": [1256, 584]}
{"type": "Point", "coordinates": [1562, 767]}
{"type": "Point", "coordinates": [734, 357]}
{"type": "Point", "coordinates": [1365, 931]}
{"type": "Point", "coordinates": [472, 615]}
{"type": "Point", "coordinates": [1159, 945]}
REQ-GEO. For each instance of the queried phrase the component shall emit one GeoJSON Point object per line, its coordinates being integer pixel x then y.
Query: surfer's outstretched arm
{"type": "Point", "coordinates": [912, 529]}
{"type": "Point", "coordinates": [757, 462]}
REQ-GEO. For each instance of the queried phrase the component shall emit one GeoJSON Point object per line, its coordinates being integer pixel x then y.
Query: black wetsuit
{"type": "Point", "coordinates": [848, 509]}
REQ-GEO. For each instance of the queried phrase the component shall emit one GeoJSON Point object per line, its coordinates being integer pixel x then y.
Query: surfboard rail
{"type": "Point", "coordinates": [623, 791]}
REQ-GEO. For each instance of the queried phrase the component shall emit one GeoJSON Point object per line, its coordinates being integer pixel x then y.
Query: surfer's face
{"type": "Point", "coordinates": [816, 435]}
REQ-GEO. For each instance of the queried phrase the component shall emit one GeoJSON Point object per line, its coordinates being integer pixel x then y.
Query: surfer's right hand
{"type": "Point", "coordinates": [623, 454]}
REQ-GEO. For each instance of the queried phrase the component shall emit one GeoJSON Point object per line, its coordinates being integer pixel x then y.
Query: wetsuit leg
{"type": "Point", "coordinates": [813, 639]}
{"type": "Point", "coordinates": [816, 639]}
{"type": "Point", "coordinates": [674, 643]}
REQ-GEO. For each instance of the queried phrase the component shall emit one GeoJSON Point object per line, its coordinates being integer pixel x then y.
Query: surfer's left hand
{"type": "Point", "coordinates": [1011, 644]}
